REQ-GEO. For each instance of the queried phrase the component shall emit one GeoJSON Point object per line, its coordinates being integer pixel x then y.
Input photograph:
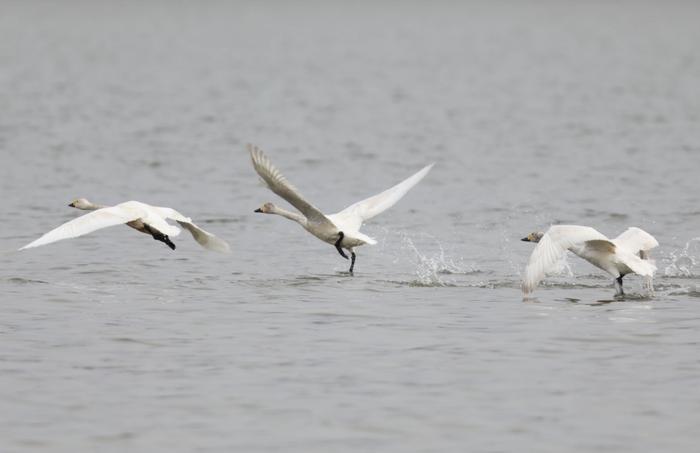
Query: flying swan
{"type": "Point", "coordinates": [139, 216]}
{"type": "Point", "coordinates": [342, 229]}
{"type": "Point", "coordinates": [626, 254]}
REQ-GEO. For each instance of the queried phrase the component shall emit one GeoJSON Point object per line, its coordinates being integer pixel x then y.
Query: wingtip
{"type": "Point", "coordinates": [28, 246]}
{"type": "Point", "coordinates": [427, 168]}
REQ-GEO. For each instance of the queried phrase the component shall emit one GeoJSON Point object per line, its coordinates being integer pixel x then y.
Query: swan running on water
{"type": "Point", "coordinates": [342, 229]}
{"type": "Point", "coordinates": [139, 216]}
{"type": "Point", "coordinates": [626, 254]}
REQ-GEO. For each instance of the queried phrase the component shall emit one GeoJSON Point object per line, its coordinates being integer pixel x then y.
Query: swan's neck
{"type": "Point", "coordinates": [92, 207]}
{"type": "Point", "coordinates": [298, 218]}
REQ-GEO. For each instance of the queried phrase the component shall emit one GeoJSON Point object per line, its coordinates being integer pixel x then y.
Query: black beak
{"type": "Point", "coordinates": [71, 205]}
{"type": "Point", "coordinates": [258, 210]}
{"type": "Point", "coordinates": [525, 240]}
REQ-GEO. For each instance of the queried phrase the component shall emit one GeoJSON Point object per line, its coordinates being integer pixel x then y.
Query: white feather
{"type": "Point", "coordinates": [614, 257]}
{"type": "Point", "coordinates": [552, 248]}
{"type": "Point", "coordinates": [352, 217]}
{"type": "Point", "coordinates": [328, 228]}
{"type": "Point", "coordinates": [154, 217]}
{"type": "Point", "coordinates": [635, 239]}
{"type": "Point", "coordinates": [203, 237]}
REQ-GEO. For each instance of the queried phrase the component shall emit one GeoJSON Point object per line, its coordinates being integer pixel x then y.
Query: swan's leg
{"type": "Point", "coordinates": [341, 235]}
{"type": "Point", "coordinates": [352, 262]}
{"type": "Point", "coordinates": [618, 286]}
{"type": "Point", "coordinates": [158, 236]}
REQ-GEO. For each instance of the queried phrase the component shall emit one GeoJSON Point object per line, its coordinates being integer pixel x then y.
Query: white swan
{"type": "Point", "coordinates": [342, 229]}
{"type": "Point", "coordinates": [140, 216]}
{"type": "Point", "coordinates": [626, 254]}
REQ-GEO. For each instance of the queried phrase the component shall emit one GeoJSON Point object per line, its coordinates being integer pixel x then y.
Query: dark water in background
{"type": "Point", "coordinates": [535, 112]}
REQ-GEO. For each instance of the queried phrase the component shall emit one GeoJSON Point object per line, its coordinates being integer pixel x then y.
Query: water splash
{"type": "Point", "coordinates": [431, 267]}
{"type": "Point", "coordinates": [682, 263]}
{"type": "Point", "coordinates": [648, 286]}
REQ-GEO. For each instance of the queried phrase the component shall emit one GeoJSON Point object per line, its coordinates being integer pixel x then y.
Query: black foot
{"type": "Point", "coordinates": [352, 263]}
{"type": "Point", "coordinates": [169, 243]}
{"type": "Point", "coordinates": [164, 239]}
{"type": "Point", "coordinates": [341, 235]}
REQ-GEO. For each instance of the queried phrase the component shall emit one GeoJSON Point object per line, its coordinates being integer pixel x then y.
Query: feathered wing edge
{"type": "Point", "coordinates": [203, 237]}
{"type": "Point", "coordinates": [85, 224]}
{"type": "Point", "coordinates": [635, 240]}
{"type": "Point", "coordinates": [354, 215]}
{"type": "Point", "coordinates": [547, 253]}
{"type": "Point", "coordinates": [277, 183]}
{"type": "Point", "coordinates": [206, 239]}
{"type": "Point", "coordinates": [639, 266]}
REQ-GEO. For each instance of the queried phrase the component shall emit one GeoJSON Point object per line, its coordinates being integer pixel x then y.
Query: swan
{"type": "Point", "coordinates": [139, 216]}
{"type": "Point", "coordinates": [626, 254]}
{"type": "Point", "coordinates": [342, 229]}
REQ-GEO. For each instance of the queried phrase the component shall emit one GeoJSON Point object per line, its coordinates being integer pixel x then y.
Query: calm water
{"type": "Point", "coordinates": [535, 113]}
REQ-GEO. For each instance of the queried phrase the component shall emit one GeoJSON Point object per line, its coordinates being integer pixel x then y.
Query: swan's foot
{"type": "Point", "coordinates": [168, 242]}
{"type": "Point", "coordinates": [618, 287]}
{"type": "Point", "coordinates": [341, 235]}
{"type": "Point", "coordinates": [158, 236]}
{"type": "Point", "coordinates": [352, 262]}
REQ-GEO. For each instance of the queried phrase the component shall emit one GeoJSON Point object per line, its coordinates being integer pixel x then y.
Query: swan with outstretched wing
{"type": "Point", "coordinates": [342, 230]}
{"type": "Point", "coordinates": [142, 217]}
{"type": "Point", "coordinates": [626, 254]}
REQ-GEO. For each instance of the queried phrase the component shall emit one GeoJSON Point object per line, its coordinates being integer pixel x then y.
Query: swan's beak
{"type": "Point", "coordinates": [525, 239]}
{"type": "Point", "coordinates": [72, 205]}
{"type": "Point", "coordinates": [258, 210]}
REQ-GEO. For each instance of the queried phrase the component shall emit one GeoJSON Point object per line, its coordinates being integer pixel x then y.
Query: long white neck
{"type": "Point", "coordinates": [92, 207]}
{"type": "Point", "coordinates": [298, 218]}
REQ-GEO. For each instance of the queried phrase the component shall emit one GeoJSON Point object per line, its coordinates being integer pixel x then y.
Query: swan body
{"type": "Point", "coordinates": [341, 229]}
{"type": "Point", "coordinates": [142, 217]}
{"type": "Point", "coordinates": [626, 254]}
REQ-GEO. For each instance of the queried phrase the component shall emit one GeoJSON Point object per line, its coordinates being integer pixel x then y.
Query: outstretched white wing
{"type": "Point", "coordinates": [635, 240]}
{"type": "Point", "coordinates": [279, 185]}
{"type": "Point", "coordinates": [552, 247]}
{"type": "Point", "coordinates": [101, 218]}
{"type": "Point", "coordinates": [203, 238]}
{"type": "Point", "coordinates": [353, 216]}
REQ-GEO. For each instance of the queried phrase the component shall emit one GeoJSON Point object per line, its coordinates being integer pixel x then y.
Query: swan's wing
{"type": "Point", "coordinates": [279, 185]}
{"type": "Point", "coordinates": [203, 238]}
{"type": "Point", "coordinates": [354, 215]}
{"type": "Point", "coordinates": [101, 218]}
{"type": "Point", "coordinates": [552, 248]}
{"type": "Point", "coordinates": [636, 240]}
{"type": "Point", "coordinates": [639, 266]}
{"type": "Point", "coordinates": [206, 239]}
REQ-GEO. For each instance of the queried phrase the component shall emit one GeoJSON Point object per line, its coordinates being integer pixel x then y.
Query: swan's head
{"type": "Point", "coordinates": [533, 237]}
{"type": "Point", "coordinates": [267, 208]}
{"type": "Point", "coordinates": [80, 203]}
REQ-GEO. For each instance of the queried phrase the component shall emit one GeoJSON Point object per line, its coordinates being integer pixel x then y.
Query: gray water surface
{"type": "Point", "coordinates": [534, 112]}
